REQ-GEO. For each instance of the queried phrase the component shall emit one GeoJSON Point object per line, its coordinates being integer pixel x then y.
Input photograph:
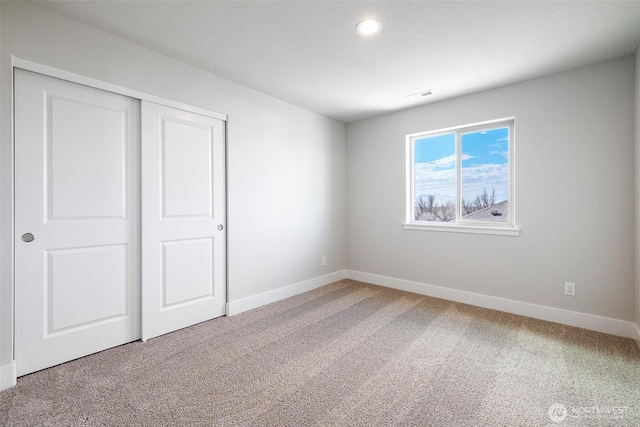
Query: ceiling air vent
{"type": "Point", "coordinates": [420, 95]}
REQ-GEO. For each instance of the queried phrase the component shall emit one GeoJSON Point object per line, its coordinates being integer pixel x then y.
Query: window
{"type": "Point", "coordinates": [461, 179]}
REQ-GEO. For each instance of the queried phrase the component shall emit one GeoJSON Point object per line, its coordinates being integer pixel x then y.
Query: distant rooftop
{"type": "Point", "coordinates": [496, 213]}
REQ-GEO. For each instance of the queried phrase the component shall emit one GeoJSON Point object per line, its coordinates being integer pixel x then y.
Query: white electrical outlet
{"type": "Point", "coordinates": [324, 260]}
{"type": "Point", "coordinates": [570, 289]}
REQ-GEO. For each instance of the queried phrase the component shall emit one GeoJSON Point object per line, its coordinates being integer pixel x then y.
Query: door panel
{"type": "Point", "coordinates": [77, 192]}
{"type": "Point", "coordinates": [73, 304]}
{"type": "Point", "coordinates": [187, 164]}
{"type": "Point", "coordinates": [187, 262]}
{"type": "Point", "coordinates": [87, 157]}
{"type": "Point", "coordinates": [183, 212]}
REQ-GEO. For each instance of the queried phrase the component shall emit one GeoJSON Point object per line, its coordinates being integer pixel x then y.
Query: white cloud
{"type": "Point", "coordinates": [445, 162]}
{"type": "Point", "coordinates": [434, 178]}
{"type": "Point", "coordinates": [437, 177]}
{"type": "Point", "coordinates": [504, 154]}
{"type": "Point", "coordinates": [487, 176]}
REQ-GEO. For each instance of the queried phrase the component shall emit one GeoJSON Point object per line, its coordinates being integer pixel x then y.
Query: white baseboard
{"type": "Point", "coordinates": [8, 375]}
{"type": "Point", "coordinates": [572, 318]}
{"type": "Point", "coordinates": [245, 304]}
{"type": "Point", "coordinates": [552, 314]}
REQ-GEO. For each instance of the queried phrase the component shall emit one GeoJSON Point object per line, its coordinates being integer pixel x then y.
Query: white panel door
{"type": "Point", "coordinates": [183, 216]}
{"type": "Point", "coordinates": [77, 286]}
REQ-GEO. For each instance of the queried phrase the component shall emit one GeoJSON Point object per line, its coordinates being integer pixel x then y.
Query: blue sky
{"type": "Point", "coordinates": [484, 165]}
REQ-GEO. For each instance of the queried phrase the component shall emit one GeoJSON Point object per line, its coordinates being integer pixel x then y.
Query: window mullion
{"type": "Point", "coordinates": [458, 209]}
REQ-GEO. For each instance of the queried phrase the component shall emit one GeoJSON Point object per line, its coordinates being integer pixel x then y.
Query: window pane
{"type": "Point", "coordinates": [484, 177]}
{"type": "Point", "coordinates": [434, 178]}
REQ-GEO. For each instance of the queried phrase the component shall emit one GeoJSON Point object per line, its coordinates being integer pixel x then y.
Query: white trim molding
{"type": "Point", "coordinates": [637, 337]}
{"type": "Point", "coordinates": [463, 228]}
{"type": "Point", "coordinates": [109, 87]}
{"type": "Point", "coordinates": [566, 317]}
{"type": "Point", "coordinates": [245, 304]}
{"type": "Point", "coordinates": [8, 375]}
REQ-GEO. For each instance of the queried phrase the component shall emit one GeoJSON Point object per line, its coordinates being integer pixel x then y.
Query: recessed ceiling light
{"type": "Point", "coordinates": [369, 27]}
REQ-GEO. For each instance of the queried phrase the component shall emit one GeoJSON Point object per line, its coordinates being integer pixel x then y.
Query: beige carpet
{"type": "Point", "coordinates": [347, 354]}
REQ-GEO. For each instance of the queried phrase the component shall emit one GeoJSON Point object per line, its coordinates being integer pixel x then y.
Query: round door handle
{"type": "Point", "coordinates": [28, 237]}
{"type": "Point", "coordinates": [220, 227]}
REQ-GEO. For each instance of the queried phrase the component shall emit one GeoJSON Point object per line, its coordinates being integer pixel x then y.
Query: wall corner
{"type": "Point", "coordinates": [637, 198]}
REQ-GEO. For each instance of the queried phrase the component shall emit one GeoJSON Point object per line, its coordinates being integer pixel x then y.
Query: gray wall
{"type": "Point", "coordinates": [574, 166]}
{"type": "Point", "coordinates": [286, 165]}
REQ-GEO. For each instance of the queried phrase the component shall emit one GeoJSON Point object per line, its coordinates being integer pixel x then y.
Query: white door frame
{"type": "Point", "coordinates": [8, 373]}
{"type": "Point", "coordinates": [99, 84]}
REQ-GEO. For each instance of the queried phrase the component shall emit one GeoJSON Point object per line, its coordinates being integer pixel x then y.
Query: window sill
{"type": "Point", "coordinates": [461, 228]}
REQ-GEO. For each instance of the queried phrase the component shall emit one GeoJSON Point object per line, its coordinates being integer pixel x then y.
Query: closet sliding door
{"type": "Point", "coordinates": [120, 216]}
{"type": "Point", "coordinates": [77, 209]}
{"type": "Point", "coordinates": [183, 217]}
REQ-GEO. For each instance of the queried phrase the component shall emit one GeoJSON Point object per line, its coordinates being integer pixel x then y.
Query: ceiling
{"type": "Point", "coordinates": [309, 54]}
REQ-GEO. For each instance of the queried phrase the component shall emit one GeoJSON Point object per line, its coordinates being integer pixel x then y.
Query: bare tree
{"type": "Point", "coordinates": [446, 212]}
{"type": "Point", "coordinates": [485, 199]}
{"type": "Point", "coordinates": [426, 208]}
{"type": "Point", "coordinates": [467, 207]}
{"type": "Point", "coordinates": [431, 203]}
{"type": "Point", "coordinates": [420, 207]}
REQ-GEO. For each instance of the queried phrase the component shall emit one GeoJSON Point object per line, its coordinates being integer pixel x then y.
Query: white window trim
{"type": "Point", "coordinates": [463, 228]}
{"type": "Point", "coordinates": [509, 229]}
